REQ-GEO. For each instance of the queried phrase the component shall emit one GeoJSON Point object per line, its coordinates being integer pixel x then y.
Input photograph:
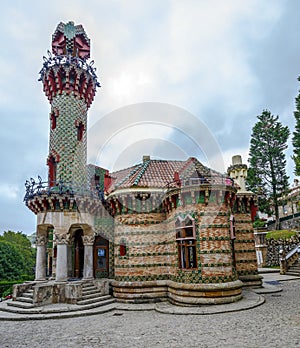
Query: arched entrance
{"type": "Point", "coordinates": [101, 257]}
{"type": "Point", "coordinates": [78, 254]}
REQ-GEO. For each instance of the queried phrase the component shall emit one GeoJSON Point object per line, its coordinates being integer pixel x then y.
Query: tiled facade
{"type": "Point", "coordinates": [71, 167]}
{"type": "Point", "coordinates": [159, 230]}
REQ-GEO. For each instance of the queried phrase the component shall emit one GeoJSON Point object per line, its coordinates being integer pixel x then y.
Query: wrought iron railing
{"type": "Point", "coordinates": [37, 188]}
{"type": "Point", "coordinates": [56, 60]}
{"type": "Point", "coordinates": [207, 181]}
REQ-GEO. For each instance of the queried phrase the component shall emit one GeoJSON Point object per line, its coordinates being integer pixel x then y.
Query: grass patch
{"type": "Point", "coordinates": [281, 234]}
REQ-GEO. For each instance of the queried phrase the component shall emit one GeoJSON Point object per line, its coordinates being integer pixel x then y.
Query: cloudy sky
{"type": "Point", "coordinates": [206, 68]}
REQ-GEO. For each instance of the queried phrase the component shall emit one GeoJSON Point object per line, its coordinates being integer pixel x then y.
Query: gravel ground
{"type": "Point", "coordinates": [276, 323]}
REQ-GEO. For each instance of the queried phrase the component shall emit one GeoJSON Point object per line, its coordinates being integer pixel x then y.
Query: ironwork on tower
{"type": "Point", "coordinates": [69, 82]}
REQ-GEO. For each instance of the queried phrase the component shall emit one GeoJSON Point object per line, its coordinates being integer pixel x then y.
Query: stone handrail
{"type": "Point", "coordinates": [287, 260]}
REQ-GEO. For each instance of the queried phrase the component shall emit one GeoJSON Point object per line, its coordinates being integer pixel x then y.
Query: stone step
{"type": "Point", "coordinates": [86, 285]}
{"type": "Point", "coordinates": [96, 300]}
{"type": "Point", "coordinates": [24, 299]}
{"type": "Point", "coordinates": [295, 274]}
{"type": "Point", "coordinates": [28, 294]}
{"type": "Point", "coordinates": [294, 269]}
{"type": "Point", "coordinates": [90, 292]}
{"type": "Point", "coordinates": [90, 296]}
{"type": "Point", "coordinates": [29, 291]}
{"type": "Point", "coordinates": [18, 304]}
{"type": "Point", "coordinates": [64, 311]}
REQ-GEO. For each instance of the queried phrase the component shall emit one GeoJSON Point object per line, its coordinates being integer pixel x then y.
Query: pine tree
{"type": "Point", "coordinates": [296, 136]}
{"type": "Point", "coordinates": [267, 174]}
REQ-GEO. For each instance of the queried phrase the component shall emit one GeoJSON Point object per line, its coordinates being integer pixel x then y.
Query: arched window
{"type": "Point", "coordinates": [53, 120]}
{"type": "Point", "coordinates": [80, 130]}
{"type": "Point", "coordinates": [186, 241]}
{"type": "Point", "coordinates": [123, 249]}
{"type": "Point", "coordinates": [52, 170]}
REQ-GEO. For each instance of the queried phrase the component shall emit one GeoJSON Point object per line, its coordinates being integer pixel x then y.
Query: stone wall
{"type": "Point", "coordinates": [273, 247]}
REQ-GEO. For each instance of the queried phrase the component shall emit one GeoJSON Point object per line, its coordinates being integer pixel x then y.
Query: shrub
{"type": "Point", "coordinates": [281, 234]}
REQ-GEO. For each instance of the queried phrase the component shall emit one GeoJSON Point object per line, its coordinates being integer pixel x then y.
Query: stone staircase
{"type": "Point", "coordinates": [25, 301]}
{"type": "Point", "coordinates": [294, 270]}
{"type": "Point", "coordinates": [92, 297]}
{"type": "Point", "coordinates": [91, 302]}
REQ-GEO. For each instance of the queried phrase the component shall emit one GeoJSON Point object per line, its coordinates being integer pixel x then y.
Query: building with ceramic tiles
{"type": "Point", "coordinates": [158, 230]}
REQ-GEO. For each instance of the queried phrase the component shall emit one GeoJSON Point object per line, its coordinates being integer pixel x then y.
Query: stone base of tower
{"type": "Point", "coordinates": [140, 291]}
{"type": "Point", "coordinates": [177, 293]}
{"type": "Point", "coordinates": [251, 280]}
{"type": "Point", "coordinates": [205, 294]}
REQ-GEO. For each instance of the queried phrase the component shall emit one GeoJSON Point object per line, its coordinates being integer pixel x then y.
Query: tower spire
{"type": "Point", "coordinates": [69, 82]}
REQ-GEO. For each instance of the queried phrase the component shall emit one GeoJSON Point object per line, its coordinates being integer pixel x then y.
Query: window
{"type": "Point", "coordinates": [53, 120]}
{"type": "Point", "coordinates": [80, 129]}
{"type": "Point", "coordinates": [123, 249]}
{"type": "Point", "coordinates": [232, 227]}
{"type": "Point", "coordinates": [52, 171]}
{"type": "Point", "coordinates": [186, 241]}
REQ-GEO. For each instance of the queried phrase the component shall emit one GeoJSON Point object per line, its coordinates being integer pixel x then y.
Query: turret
{"type": "Point", "coordinates": [238, 172]}
{"type": "Point", "coordinates": [69, 83]}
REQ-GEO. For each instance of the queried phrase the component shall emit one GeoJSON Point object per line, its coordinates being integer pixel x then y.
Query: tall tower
{"type": "Point", "coordinates": [245, 208]}
{"type": "Point", "coordinates": [65, 205]}
{"type": "Point", "coordinates": [70, 84]}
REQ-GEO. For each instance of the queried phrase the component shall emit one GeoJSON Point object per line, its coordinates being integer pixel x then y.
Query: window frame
{"type": "Point", "coordinates": [182, 227]}
{"type": "Point", "coordinates": [186, 243]}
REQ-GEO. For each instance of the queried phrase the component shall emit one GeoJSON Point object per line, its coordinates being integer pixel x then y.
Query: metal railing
{"type": "Point", "coordinates": [68, 59]}
{"type": "Point", "coordinates": [37, 188]}
{"type": "Point", "coordinates": [207, 181]}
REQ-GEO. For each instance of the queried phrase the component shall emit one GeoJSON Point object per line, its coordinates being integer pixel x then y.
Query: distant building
{"type": "Point", "coordinates": [289, 209]}
{"type": "Point", "coordinates": [161, 229]}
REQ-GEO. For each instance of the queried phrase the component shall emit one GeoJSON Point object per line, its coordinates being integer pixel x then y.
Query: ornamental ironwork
{"type": "Point", "coordinates": [68, 59]}
{"type": "Point", "coordinates": [38, 188]}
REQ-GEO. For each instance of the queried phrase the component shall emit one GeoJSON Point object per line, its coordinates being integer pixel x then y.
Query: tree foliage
{"type": "Point", "coordinates": [267, 174]}
{"type": "Point", "coordinates": [17, 258]}
{"type": "Point", "coordinates": [296, 136]}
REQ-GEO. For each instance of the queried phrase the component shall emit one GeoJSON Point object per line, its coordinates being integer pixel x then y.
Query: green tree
{"type": "Point", "coordinates": [12, 262]}
{"type": "Point", "coordinates": [267, 174]}
{"type": "Point", "coordinates": [296, 136]}
{"type": "Point", "coordinates": [24, 255]}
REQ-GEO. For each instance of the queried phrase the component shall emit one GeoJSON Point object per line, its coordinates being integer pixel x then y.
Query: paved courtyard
{"type": "Point", "coordinates": [276, 323]}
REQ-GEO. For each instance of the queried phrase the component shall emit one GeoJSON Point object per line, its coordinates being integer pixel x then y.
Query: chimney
{"type": "Point", "coordinates": [146, 158]}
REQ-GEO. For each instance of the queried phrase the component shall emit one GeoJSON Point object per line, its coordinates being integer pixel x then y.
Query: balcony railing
{"type": "Point", "coordinates": [56, 60]}
{"type": "Point", "coordinates": [38, 188]}
{"type": "Point", "coordinates": [207, 181]}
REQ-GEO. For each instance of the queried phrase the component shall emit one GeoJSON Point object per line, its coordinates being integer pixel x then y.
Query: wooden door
{"type": "Point", "coordinates": [101, 257]}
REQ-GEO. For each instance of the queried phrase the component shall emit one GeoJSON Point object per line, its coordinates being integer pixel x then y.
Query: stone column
{"type": "Point", "coordinates": [40, 269]}
{"type": "Point", "coordinates": [62, 257]}
{"type": "Point", "coordinates": [69, 258]}
{"type": "Point", "coordinates": [88, 269]}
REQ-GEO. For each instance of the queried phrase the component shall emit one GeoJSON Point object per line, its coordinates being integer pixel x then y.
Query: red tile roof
{"type": "Point", "coordinates": [160, 173]}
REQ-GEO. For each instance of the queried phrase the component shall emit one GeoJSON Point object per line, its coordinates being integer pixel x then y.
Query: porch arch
{"type": "Point", "coordinates": [44, 255]}
{"type": "Point", "coordinates": [80, 255]}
